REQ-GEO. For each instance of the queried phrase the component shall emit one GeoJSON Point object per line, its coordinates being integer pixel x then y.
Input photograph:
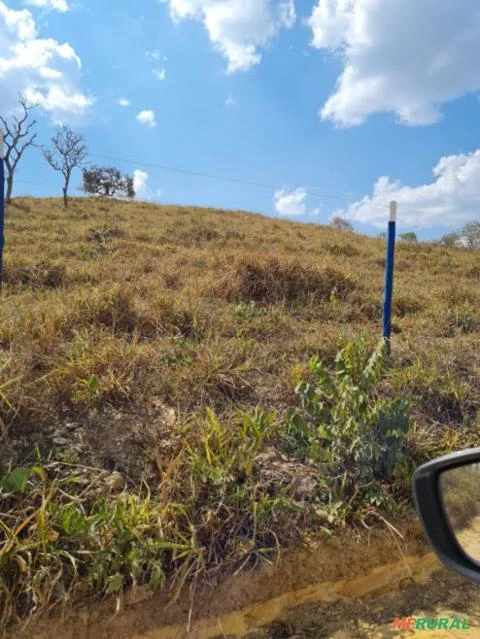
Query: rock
{"type": "Point", "coordinates": [115, 481]}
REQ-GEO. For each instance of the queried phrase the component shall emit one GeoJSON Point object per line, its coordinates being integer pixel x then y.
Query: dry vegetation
{"type": "Point", "coordinates": [148, 360]}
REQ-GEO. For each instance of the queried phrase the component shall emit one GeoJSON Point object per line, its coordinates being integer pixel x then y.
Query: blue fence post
{"type": "Point", "coordinates": [389, 268]}
{"type": "Point", "coordinates": [2, 205]}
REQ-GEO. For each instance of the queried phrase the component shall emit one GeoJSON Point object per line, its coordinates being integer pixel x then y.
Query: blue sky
{"type": "Point", "coordinates": [358, 99]}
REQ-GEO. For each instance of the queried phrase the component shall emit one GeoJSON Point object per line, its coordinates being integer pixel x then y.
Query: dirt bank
{"type": "Point", "coordinates": [327, 575]}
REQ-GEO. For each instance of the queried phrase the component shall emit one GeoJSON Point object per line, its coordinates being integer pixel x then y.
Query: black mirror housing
{"type": "Point", "coordinates": [433, 515]}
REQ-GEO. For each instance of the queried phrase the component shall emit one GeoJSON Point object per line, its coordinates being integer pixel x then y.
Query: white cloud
{"type": "Point", "coordinates": [451, 199]}
{"type": "Point", "coordinates": [406, 57]}
{"type": "Point", "coordinates": [237, 28]}
{"type": "Point", "coordinates": [61, 101]}
{"type": "Point", "coordinates": [142, 188]}
{"type": "Point", "coordinates": [147, 118]}
{"type": "Point", "coordinates": [153, 55]}
{"type": "Point", "coordinates": [290, 203]}
{"type": "Point", "coordinates": [44, 70]}
{"type": "Point", "coordinates": [124, 102]}
{"type": "Point", "coordinates": [56, 5]}
{"type": "Point", "coordinates": [231, 101]}
{"type": "Point", "coordinates": [287, 13]}
{"type": "Point", "coordinates": [160, 74]}
{"type": "Point", "coordinates": [140, 184]}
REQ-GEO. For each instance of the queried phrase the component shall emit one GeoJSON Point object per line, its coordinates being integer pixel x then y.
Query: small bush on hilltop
{"type": "Point", "coordinates": [342, 224]}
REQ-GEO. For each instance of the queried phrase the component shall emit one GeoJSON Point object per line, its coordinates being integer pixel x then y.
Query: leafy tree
{"type": "Point", "coordinates": [410, 236]}
{"type": "Point", "coordinates": [341, 223]}
{"type": "Point", "coordinates": [108, 181]}
{"type": "Point", "coordinates": [68, 151]}
{"type": "Point", "coordinates": [18, 136]}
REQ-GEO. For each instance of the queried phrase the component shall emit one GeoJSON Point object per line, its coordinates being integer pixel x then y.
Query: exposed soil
{"type": "Point", "coordinates": [368, 617]}
{"type": "Point", "coordinates": [444, 595]}
{"type": "Point", "coordinates": [344, 588]}
{"type": "Point", "coordinates": [133, 444]}
{"type": "Point", "coordinates": [371, 617]}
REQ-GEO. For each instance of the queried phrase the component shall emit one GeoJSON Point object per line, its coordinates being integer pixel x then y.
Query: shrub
{"type": "Point", "coordinates": [342, 421]}
{"type": "Point", "coordinates": [101, 236]}
{"type": "Point", "coordinates": [271, 280]}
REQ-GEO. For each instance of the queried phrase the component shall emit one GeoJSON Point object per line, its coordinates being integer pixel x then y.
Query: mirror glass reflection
{"type": "Point", "coordinates": [460, 491]}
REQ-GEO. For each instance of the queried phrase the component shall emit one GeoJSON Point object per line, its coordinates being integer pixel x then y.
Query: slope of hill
{"type": "Point", "coordinates": [157, 394]}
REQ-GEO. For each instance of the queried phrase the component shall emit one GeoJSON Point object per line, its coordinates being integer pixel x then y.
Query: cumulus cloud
{"type": "Point", "coordinates": [61, 101]}
{"type": "Point", "coordinates": [124, 102]}
{"type": "Point", "coordinates": [290, 202]}
{"type": "Point", "coordinates": [46, 71]}
{"type": "Point", "coordinates": [402, 56]}
{"type": "Point", "coordinates": [238, 29]}
{"type": "Point", "coordinates": [141, 186]}
{"type": "Point", "coordinates": [56, 5]}
{"type": "Point", "coordinates": [160, 74]}
{"type": "Point", "coordinates": [450, 199]}
{"type": "Point", "coordinates": [147, 118]}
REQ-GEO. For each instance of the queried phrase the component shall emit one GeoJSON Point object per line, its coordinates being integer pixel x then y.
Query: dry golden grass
{"type": "Point", "coordinates": [217, 306]}
{"type": "Point", "coordinates": [208, 308]}
{"type": "Point", "coordinates": [115, 313]}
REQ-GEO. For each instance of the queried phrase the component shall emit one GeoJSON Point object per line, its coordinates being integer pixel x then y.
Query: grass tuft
{"type": "Point", "coordinates": [271, 280]}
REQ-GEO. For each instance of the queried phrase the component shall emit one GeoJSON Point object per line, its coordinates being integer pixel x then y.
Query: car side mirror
{"type": "Point", "coordinates": [447, 497]}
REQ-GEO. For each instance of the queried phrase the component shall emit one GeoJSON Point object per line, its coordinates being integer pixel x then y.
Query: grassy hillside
{"type": "Point", "coordinates": [158, 367]}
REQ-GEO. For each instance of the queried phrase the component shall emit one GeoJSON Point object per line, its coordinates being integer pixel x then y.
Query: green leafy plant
{"type": "Point", "coordinates": [341, 419]}
{"type": "Point", "coordinates": [16, 480]}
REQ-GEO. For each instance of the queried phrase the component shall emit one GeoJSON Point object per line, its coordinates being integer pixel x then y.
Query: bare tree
{"type": "Point", "coordinates": [451, 239]}
{"type": "Point", "coordinates": [471, 235]}
{"type": "Point", "coordinates": [341, 223]}
{"type": "Point", "coordinates": [68, 151]}
{"type": "Point", "coordinates": [18, 137]}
